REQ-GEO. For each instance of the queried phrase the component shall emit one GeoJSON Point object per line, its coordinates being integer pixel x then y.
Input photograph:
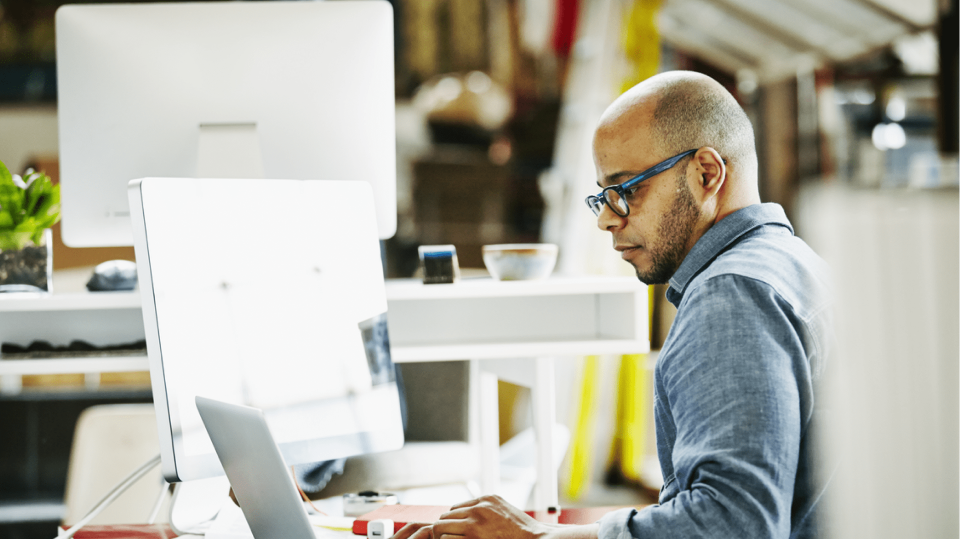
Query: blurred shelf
{"type": "Point", "coordinates": [427, 352]}
{"type": "Point", "coordinates": [74, 301]}
{"type": "Point", "coordinates": [487, 287]}
{"type": "Point", "coordinates": [80, 393]}
{"type": "Point", "coordinates": [25, 367]}
{"type": "Point", "coordinates": [12, 371]}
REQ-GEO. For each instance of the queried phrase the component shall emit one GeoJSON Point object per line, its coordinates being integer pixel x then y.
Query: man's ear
{"type": "Point", "coordinates": [711, 171]}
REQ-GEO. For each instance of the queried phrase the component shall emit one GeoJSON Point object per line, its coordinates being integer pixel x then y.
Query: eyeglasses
{"type": "Point", "coordinates": [615, 196]}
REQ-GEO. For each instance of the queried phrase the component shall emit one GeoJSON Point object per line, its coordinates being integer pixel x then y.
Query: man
{"type": "Point", "coordinates": [735, 382]}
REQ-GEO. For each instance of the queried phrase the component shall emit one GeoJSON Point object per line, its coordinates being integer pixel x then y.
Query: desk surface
{"type": "Point", "coordinates": [162, 531]}
{"type": "Point", "coordinates": [126, 531]}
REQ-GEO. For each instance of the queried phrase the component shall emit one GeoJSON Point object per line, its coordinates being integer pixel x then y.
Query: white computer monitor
{"type": "Point", "coordinates": [270, 294]}
{"type": "Point", "coordinates": [295, 90]}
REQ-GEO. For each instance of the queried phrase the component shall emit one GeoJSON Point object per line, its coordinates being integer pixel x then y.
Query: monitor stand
{"type": "Point", "coordinates": [229, 150]}
{"type": "Point", "coordinates": [195, 504]}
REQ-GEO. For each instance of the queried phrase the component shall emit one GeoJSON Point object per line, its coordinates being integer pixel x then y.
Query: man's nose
{"type": "Point", "coordinates": [609, 220]}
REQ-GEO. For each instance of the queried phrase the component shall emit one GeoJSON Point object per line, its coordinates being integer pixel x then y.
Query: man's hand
{"type": "Point", "coordinates": [415, 530]}
{"type": "Point", "coordinates": [488, 517]}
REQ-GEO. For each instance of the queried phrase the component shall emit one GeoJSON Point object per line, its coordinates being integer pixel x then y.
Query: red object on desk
{"type": "Point", "coordinates": [125, 531]}
{"type": "Point", "coordinates": [401, 515]}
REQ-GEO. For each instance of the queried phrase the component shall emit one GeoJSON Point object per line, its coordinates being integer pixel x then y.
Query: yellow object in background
{"type": "Point", "coordinates": [631, 428]}
{"type": "Point", "coordinates": [633, 401]}
{"type": "Point", "coordinates": [641, 41]}
{"type": "Point", "coordinates": [581, 450]}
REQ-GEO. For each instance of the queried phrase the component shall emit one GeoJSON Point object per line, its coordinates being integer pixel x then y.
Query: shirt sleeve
{"type": "Point", "coordinates": [731, 380]}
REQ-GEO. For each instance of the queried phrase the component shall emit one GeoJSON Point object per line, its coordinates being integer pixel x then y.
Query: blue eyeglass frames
{"type": "Point", "coordinates": [615, 196]}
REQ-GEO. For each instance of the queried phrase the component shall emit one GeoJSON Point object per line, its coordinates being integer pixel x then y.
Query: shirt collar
{"type": "Point", "coordinates": [721, 235]}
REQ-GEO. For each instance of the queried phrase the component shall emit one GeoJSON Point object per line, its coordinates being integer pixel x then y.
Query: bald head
{"type": "Point", "coordinates": [654, 224]}
{"type": "Point", "coordinates": [686, 110]}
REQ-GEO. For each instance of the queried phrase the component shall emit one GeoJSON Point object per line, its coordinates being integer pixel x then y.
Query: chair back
{"type": "Point", "coordinates": [109, 443]}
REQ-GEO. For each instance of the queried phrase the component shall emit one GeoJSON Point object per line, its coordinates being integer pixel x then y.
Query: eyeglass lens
{"type": "Point", "coordinates": [616, 202]}
{"type": "Point", "coordinates": [594, 204]}
{"type": "Point", "coordinates": [613, 199]}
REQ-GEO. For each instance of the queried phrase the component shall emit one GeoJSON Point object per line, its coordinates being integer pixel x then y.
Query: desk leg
{"type": "Point", "coordinates": [489, 434]}
{"type": "Point", "coordinates": [544, 421]}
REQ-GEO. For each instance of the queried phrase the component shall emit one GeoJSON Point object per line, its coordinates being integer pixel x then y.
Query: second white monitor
{"type": "Point", "coordinates": [160, 89]}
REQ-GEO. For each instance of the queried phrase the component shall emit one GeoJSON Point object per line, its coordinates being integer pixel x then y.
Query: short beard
{"type": "Point", "coordinates": [674, 230]}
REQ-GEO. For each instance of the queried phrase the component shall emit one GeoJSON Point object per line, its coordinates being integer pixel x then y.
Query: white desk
{"type": "Point", "coordinates": [487, 319]}
{"type": "Point", "coordinates": [494, 323]}
{"type": "Point", "coordinates": [488, 322]}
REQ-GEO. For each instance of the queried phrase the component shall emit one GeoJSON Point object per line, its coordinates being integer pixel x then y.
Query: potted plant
{"type": "Point", "coordinates": [29, 206]}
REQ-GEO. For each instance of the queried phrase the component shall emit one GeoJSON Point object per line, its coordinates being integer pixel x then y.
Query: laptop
{"type": "Point", "coordinates": [260, 479]}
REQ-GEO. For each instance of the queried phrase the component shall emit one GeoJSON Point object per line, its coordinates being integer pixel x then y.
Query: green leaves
{"type": "Point", "coordinates": [28, 206]}
{"type": "Point", "coordinates": [14, 240]}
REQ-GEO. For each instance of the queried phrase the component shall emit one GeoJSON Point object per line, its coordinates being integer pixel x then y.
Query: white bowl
{"type": "Point", "coordinates": [520, 261]}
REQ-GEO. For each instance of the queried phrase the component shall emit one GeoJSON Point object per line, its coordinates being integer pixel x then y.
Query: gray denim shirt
{"type": "Point", "coordinates": [735, 387]}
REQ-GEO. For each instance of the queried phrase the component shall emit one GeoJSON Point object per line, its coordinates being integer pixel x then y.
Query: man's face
{"type": "Point", "coordinates": [657, 234]}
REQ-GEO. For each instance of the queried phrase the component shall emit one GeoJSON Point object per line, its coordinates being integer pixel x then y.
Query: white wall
{"type": "Point", "coordinates": [25, 132]}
